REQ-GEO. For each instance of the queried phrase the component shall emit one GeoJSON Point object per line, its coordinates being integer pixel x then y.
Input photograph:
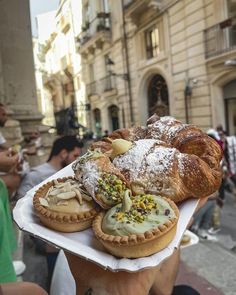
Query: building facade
{"type": "Point", "coordinates": [17, 81]}
{"type": "Point", "coordinates": [61, 67]}
{"type": "Point", "coordinates": [171, 57]}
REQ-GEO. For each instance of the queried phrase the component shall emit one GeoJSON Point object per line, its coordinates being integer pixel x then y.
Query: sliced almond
{"type": "Point", "coordinates": [66, 195]}
{"type": "Point", "coordinates": [55, 192]}
{"type": "Point", "coordinates": [62, 203]}
{"type": "Point", "coordinates": [78, 195]}
{"type": "Point", "coordinates": [43, 202]}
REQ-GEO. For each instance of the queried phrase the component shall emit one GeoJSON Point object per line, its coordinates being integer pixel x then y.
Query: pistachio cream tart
{"type": "Point", "coordinates": [138, 227]}
{"type": "Point", "coordinates": [64, 205]}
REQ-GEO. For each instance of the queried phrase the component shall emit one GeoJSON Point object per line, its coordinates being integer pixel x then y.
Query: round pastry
{"type": "Point", "coordinates": [140, 226]}
{"type": "Point", "coordinates": [63, 205]}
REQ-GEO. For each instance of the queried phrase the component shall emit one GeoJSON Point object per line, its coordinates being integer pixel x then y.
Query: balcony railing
{"type": "Point", "coordinates": [98, 87]}
{"type": "Point", "coordinates": [100, 23]}
{"type": "Point", "coordinates": [107, 83]}
{"type": "Point", "coordinates": [91, 88]}
{"type": "Point", "coordinates": [220, 38]}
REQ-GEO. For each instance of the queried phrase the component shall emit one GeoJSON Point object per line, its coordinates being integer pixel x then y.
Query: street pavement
{"type": "Point", "coordinates": [208, 266]}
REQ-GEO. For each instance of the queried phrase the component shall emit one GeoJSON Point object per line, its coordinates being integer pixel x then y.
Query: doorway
{"type": "Point", "coordinates": [113, 112]}
{"type": "Point", "coordinates": [158, 97]}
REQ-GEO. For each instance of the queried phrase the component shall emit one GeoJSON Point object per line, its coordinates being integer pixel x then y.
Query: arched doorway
{"type": "Point", "coordinates": [229, 92]}
{"type": "Point", "coordinates": [113, 112]}
{"type": "Point", "coordinates": [158, 97]}
{"type": "Point", "coordinates": [97, 122]}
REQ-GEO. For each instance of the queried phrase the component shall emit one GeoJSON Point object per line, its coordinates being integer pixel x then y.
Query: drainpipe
{"type": "Point", "coordinates": [127, 65]}
{"type": "Point", "coordinates": [187, 96]}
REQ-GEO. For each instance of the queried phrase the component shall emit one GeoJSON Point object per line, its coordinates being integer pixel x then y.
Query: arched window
{"type": "Point", "coordinates": [158, 98]}
{"type": "Point", "coordinates": [113, 111]}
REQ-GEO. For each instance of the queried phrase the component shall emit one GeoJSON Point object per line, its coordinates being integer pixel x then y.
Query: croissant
{"type": "Point", "coordinates": [153, 166]}
{"type": "Point", "coordinates": [193, 170]}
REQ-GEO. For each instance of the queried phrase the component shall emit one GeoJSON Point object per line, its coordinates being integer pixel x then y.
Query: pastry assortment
{"type": "Point", "coordinates": [134, 178]}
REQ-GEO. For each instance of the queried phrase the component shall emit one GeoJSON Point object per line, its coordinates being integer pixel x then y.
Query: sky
{"type": "Point", "coordinates": [38, 7]}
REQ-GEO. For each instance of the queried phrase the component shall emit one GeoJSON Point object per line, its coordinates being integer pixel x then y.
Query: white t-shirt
{"type": "Point", "coordinates": [2, 139]}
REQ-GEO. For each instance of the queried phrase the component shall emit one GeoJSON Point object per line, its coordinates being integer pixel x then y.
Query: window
{"type": "Point", "coordinates": [91, 72]}
{"type": "Point", "coordinates": [152, 42]}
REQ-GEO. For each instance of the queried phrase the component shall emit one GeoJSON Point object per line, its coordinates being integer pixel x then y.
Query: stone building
{"type": "Point", "coordinates": [17, 80]}
{"type": "Point", "coordinates": [61, 66]}
{"type": "Point", "coordinates": [165, 56]}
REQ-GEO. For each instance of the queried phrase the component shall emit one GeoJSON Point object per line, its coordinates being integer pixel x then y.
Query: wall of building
{"type": "Point", "coordinates": [17, 59]}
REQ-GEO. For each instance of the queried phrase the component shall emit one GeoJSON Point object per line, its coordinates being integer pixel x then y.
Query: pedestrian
{"type": "Point", "coordinates": [202, 220]}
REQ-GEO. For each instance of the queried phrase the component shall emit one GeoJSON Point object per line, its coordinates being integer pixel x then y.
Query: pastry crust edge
{"type": "Point", "coordinates": [64, 222]}
{"type": "Point", "coordinates": [135, 246]}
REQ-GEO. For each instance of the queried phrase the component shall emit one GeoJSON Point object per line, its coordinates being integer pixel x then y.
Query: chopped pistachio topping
{"type": "Point", "coordinates": [111, 187]}
{"type": "Point", "coordinates": [140, 208]}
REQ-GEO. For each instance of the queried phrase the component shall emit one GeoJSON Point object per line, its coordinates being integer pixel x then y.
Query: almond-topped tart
{"type": "Point", "coordinates": [101, 178]}
{"type": "Point", "coordinates": [64, 205]}
{"type": "Point", "coordinates": [140, 226]}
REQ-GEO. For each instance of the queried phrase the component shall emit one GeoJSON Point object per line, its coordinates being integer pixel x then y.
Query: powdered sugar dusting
{"type": "Point", "coordinates": [132, 160]}
{"type": "Point", "coordinates": [180, 158]}
{"type": "Point", "coordinates": [166, 128]}
{"type": "Point", "coordinates": [160, 160]}
{"type": "Point", "coordinates": [90, 176]}
{"type": "Point", "coordinates": [146, 159]}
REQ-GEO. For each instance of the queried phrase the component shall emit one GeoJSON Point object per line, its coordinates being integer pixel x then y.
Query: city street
{"type": "Point", "coordinates": [208, 266]}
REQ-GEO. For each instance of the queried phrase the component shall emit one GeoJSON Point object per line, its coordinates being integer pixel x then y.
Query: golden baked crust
{"type": "Point", "coordinates": [141, 245]}
{"type": "Point", "coordinates": [61, 221]}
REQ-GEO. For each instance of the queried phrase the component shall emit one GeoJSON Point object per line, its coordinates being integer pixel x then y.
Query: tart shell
{"type": "Point", "coordinates": [59, 221]}
{"type": "Point", "coordinates": [141, 245]}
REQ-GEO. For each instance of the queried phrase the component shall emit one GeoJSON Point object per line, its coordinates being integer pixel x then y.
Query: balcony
{"type": "Point", "coordinates": [106, 84]}
{"type": "Point", "coordinates": [91, 88]}
{"type": "Point", "coordinates": [220, 38]}
{"type": "Point", "coordinates": [94, 34]}
{"type": "Point", "coordinates": [135, 8]}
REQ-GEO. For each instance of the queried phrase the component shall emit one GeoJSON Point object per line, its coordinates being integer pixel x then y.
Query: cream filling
{"type": "Point", "coordinates": [72, 206]}
{"type": "Point", "coordinates": [124, 227]}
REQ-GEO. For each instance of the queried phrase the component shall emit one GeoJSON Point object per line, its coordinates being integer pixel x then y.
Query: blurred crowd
{"type": "Point", "coordinates": [207, 222]}
{"type": "Point", "coordinates": [16, 178]}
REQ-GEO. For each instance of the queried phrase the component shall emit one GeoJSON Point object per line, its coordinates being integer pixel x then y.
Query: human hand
{"type": "Point", "coordinates": [12, 182]}
{"type": "Point", "coordinates": [89, 277]}
{"type": "Point", "coordinates": [8, 161]}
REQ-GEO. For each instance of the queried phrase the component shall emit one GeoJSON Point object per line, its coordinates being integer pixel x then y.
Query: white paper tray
{"type": "Point", "coordinates": [84, 244]}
